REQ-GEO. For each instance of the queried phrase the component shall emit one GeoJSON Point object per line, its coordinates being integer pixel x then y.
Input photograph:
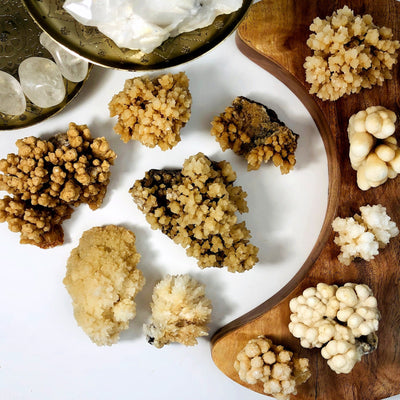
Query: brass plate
{"type": "Point", "coordinates": [19, 39]}
{"type": "Point", "coordinates": [89, 43]}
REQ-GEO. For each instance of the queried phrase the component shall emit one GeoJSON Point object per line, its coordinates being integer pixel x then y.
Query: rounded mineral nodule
{"type": "Point", "coordinates": [71, 67]}
{"type": "Point", "coordinates": [41, 81]}
{"type": "Point", "coordinates": [12, 99]}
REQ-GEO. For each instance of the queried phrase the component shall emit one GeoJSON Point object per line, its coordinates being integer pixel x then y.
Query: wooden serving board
{"type": "Point", "coordinates": [274, 35]}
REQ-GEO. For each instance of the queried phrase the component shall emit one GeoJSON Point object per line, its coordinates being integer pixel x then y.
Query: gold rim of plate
{"type": "Point", "coordinates": [89, 43]}
{"type": "Point", "coordinates": [19, 39]}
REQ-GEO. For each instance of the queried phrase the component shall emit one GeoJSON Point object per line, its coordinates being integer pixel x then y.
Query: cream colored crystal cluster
{"type": "Point", "coordinates": [180, 312]}
{"type": "Point", "coordinates": [277, 368]}
{"type": "Point", "coordinates": [350, 53]}
{"type": "Point", "coordinates": [340, 320]}
{"type": "Point", "coordinates": [363, 235]}
{"type": "Point", "coordinates": [374, 152]}
{"type": "Point", "coordinates": [103, 281]}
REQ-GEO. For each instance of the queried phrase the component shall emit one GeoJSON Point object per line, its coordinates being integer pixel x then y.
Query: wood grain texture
{"type": "Point", "coordinates": [274, 36]}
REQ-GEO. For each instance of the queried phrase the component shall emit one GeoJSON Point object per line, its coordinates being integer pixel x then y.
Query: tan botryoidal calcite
{"type": "Point", "coordinates": [277, 368]}
{"type": "Point", "coordinates": [47, 178]}
{"type": "Point", "coordinates": [196, 207]}
{"type": "Point", "coordinates": [350, 53]}
{"type": "Point", "coordinates": [254, 131]}
{"type": "Point", "coordinates": [180, 312]}
{"type": "Point", "coordinates": [102, 280]}
{"type": "Point", "coordinates": [153, 111]}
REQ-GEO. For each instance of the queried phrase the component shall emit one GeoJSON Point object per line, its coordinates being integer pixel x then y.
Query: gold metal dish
{"type": "Point", "coordinates": [92, 45]}
{"type": "Point", "coordinates": [19, 39]}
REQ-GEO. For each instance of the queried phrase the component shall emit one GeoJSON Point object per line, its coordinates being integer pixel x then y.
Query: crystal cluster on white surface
{"type": "Point", "coordinates": [144, 25]}
{"type": "Point", "coordinates": [41, 81]}
{"type": "Point", "coordinates": [12, 99]}
{"type": "Point", "coordinates": [71, 66]}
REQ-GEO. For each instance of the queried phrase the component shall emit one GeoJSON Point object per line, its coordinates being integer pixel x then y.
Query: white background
{"type": "Point", "coordinates": [45, 355]}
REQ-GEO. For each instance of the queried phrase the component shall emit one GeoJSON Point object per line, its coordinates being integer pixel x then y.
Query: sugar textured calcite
{"type": "Point", "coordinates": [12, 99]}
{"type": "Point", "coordinates": [41, 81]}
{"type": "Point", "coordinates": [72, 67]}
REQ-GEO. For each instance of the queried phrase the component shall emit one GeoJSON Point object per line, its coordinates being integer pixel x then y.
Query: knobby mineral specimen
{"type": "Point", "coordinates": [254, 131]}
{"type": "Point", "coordinates": [180, 312]}
{"type": "Point", "coordinates": [47, 178]}
{"type": "Point", "coordinates": [103, 281]}
{"type": "Point", "coordinates": [350, 53]}
{"type": "Point", "coordinates": [196, 208]}
{"type": "Point", "coordinates": [152, 111]}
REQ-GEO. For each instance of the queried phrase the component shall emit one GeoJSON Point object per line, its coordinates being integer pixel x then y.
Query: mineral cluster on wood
{"type": "Point", "coordinates": [196, 206]}
{"type": "Point", "coordinates": [103, 281]}
{"type": "Point", "coordinates": [254, 131]}
{"type": "Point", "coordinates": [350, 53]}
{"type": "Point", "coordinates": [278, 369]}
{"type": "Point", "coordinates": [341, 320]}
{"type": "Point", "coordinates": [362, 235]}
{"type": "Point", "coordinates": [180, 312]}
{"type": "Point", "coordinates": [153, 111]}
{"type": "Point", "coordinates": [374, 152]}
{"type": "Point", "coordinates": [47, 178]}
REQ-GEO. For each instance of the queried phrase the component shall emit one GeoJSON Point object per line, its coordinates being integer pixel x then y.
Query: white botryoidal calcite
{"type": "Point", "coordinates": [277, 368]}
{"type": "Point", "coordinates": [12, 99]}
{"type": "Point", "coordinates": [72, 67]}
{"type": "Point", "coordinates": [144, 25]}
{"type": "Point", "coordinates": [342, 320]}
{"type": "Point", "coordinates": [374, 153]}
{"type": "Point", "coordinates": [180, 312]}
{"type": "Point", "coordinates": [41, 81]}
{"type": "Point", "coordinates": [363, 235]}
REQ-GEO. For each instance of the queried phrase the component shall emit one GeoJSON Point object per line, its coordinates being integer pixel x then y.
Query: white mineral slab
{"type": "Point", "coordinates": [71, 66]}
{"type": "Point", "coordinates": [41, 81]}
{"type": "Point", "coordinates": [144, 25]}
{"type": "Point", "coordinates": [12, 99]}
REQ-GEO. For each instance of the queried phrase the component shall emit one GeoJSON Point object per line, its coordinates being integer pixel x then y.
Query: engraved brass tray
{"type": "Point", "coordinates": [92, 45]}
{"type": "Point", "coordinates": [19, 39]}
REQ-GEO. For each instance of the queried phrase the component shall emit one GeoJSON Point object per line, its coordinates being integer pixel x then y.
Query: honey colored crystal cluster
{"type": "Point", "coordinates": [350, 53]}
{"type": "Point", "coordinates": [196, 207]}
{"type": "Point", "coordinates": [153, 111]}
{"type": "Point", "coordinates": [254, 131]}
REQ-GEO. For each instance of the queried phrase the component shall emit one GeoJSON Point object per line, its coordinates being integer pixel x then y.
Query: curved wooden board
{"type": "Point", "coordinates": [274, 36]}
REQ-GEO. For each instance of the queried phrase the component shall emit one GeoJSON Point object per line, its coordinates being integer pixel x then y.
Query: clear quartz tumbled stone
{"type": "Point", "coordinates": [71, 66]}
{"type": "Point", "coordinates": [41, 81]}
{"type": "Point", "coordinates": [12, 99]}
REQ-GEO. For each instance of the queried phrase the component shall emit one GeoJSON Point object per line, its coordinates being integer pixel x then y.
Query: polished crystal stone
{"type": "Point", "coordinates": [71, 67]}
{"type": "Point", "coordinates": [12, 99]}
{"type": "Point", "coordinates": [41, 81]}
